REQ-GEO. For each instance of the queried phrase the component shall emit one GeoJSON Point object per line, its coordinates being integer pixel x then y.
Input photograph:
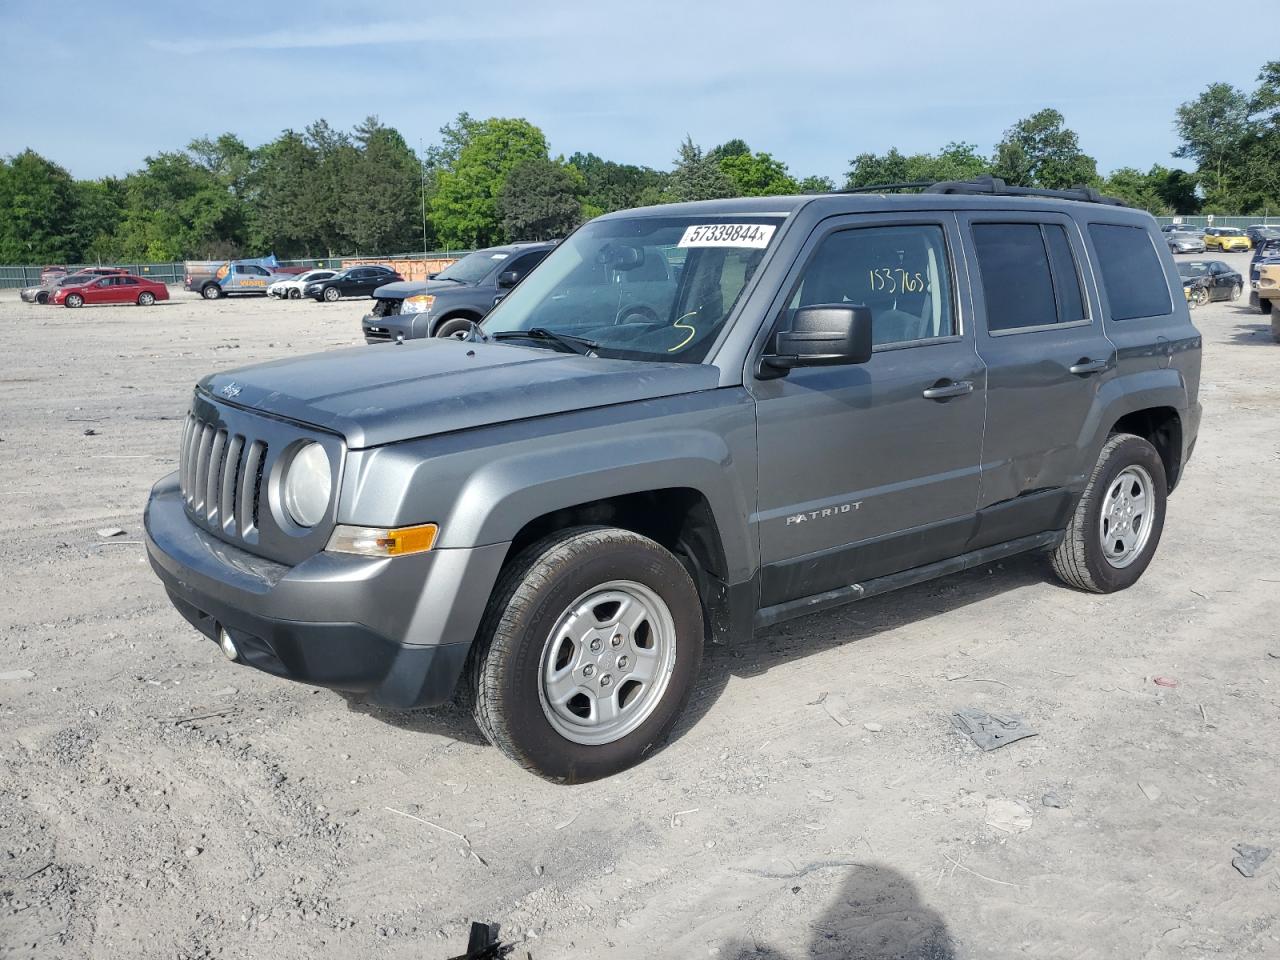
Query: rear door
{"type": "Point", "coordinates": [1047, 358]}
{"type": "Point", "coordinates": [869, 469]}
{"type": "Point", "coordinates": [125, 289]}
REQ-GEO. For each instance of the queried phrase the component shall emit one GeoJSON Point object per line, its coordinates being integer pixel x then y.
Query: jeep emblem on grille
{"type": "Point", "coordinates": [231, 390]}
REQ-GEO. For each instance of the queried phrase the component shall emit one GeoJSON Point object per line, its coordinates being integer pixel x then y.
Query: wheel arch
{"type": "Point", "coordinates": [1162, 428]}
{"type": "Point", "coordinates": [465, 313]}
{"type": "Point", "coordinates": [1151, 404]}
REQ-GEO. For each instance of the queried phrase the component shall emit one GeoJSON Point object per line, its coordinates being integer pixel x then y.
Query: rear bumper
{"type": "Point", "coordinates": [394, 630]}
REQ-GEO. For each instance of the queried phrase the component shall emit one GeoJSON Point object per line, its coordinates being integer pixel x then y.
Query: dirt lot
{"type": "Point", "coordinates": [157, 801]}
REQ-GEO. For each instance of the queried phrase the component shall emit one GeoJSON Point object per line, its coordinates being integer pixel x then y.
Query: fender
{"type": "Point", "coordinates": [483, 485]}
{"type": "Point", "coordinates": [1126, 394]}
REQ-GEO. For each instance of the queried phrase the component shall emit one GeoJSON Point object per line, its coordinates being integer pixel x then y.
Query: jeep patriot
{"type": "Point", "coordinates": [553, 510]}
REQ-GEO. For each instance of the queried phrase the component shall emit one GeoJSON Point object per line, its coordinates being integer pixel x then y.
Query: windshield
{"type": "Point", "coordinates": [1194, 268]}
{"type": "Point", "coordinates": [472, 268]}
{"type": "Point", "coordinates": [643, 288]}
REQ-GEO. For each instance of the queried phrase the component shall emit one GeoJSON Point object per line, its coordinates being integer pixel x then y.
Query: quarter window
{"type": "Point", "coordinates": [900, 273]}
{"type": "Point", "coordinates": [1131, 272]}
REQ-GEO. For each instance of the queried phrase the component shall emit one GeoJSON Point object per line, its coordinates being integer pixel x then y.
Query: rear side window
{"type": "Point", "coordinates": [1066, 277]}
{"type": "Point", "coordinates": [1131, 272]}
{"type": "Point", "coordinates": [1017, 283]}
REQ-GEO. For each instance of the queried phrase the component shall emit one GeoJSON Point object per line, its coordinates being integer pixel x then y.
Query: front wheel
{"type": "Point", "coordinates": [295, 294]}
{"type": "Point", "coordinates": [74, 300]}
{"type": "Point", "coordinates": [1275, 320]}
{"type": "Point", "coordinates": [42, 298]}
{"type": "Point", "coordinates": [331, 294]}
{"type": "Point", "coordinates": [1201, 296]}
{"type": "Point", "coordinates": [587, 653]}
{"type": "Point", "coordinates": [1116, 527]}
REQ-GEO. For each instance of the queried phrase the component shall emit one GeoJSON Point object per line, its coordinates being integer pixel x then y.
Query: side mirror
{"type": "Point", "coordinates": [826, 335]}
{"type": "Point", "coordinates": [508, 279]}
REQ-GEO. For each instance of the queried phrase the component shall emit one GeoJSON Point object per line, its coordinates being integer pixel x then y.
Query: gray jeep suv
{"type": "Point", "coordinates": [841, 395]}
{"type": "Point", "coordinates": [465, 290]}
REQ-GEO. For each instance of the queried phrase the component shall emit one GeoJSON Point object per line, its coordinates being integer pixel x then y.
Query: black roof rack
{"type": "Point", "coordinates": [991, 187]}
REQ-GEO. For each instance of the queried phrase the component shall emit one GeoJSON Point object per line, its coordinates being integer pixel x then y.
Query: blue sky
{"type": "Point", "coordinates": [98, 86]}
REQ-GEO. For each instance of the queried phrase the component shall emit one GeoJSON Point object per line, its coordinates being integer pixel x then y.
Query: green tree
{"type": "Point", "coordinates": [540, 200]}
{"type": "Point", "coordinates": [175, 209]}
{"type": "Point", "coordinates": [335, 155]}
{"type": "Point", "coordinates": [37, 200]}
{"type": "Point", "coordinates": [287, 218]}
{"type": "Point", "coordinates": [464, 207]}
{"type": "Point", "coordinates": [95, 215]}
{"type": "Point", "coordinates": [817, 184]}
{"type": "Point", "coordinates": [1041, 151]}
{"type": "Point", "coordinates": [697, 176]}
{"type": "Point", "coordinates": [1213, 127]}
{"type": "Point", "coordinates": [955, 161]}
{"type": "Point", "coordinates": [730, 148]}
{"type": "Point", "coordinates": [757, 175]}
{"type": "Point", "coordinates": [610, 186]}
{"type": "Point", "coordinates": [380, 205]}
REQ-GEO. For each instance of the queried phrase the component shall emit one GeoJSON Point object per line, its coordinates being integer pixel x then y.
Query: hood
{"type": "Point", "coordinates": [382, 394]}
{"type": "Point", "coordinates": [400, 289]}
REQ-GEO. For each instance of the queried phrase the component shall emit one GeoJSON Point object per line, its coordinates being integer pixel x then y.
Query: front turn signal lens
{"type": "Point", "coordinates": [383, 542]}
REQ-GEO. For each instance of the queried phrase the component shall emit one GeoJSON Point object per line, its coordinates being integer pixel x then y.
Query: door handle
{"type": "Point", "coordinates": [1086, 367]}
{"type": "Point", "coordinates": [946, 389]}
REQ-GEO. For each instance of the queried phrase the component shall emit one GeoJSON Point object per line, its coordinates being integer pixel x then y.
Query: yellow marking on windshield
{"type": "Point", "coordinates": [693, 331]}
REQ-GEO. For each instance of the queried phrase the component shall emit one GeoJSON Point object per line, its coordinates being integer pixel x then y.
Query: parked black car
{"type": "Point", "coordinates": [1259, 233]}
{"type": "Point", "coordinates": [465, 290]}
{"type": "Point", "coordinates": [1219, 281]}
{"type": "Point", "coordinates": [355, 282]}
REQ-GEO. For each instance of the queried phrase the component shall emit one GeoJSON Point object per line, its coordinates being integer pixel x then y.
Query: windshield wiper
{"type": "Point", "coordinates": [579, 345]}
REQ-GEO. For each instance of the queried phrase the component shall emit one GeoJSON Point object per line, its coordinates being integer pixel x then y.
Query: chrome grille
{"type": "Point", "coordinates": [220, 474]}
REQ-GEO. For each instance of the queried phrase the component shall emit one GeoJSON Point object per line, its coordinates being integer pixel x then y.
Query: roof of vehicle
{"type": "Point", "coordinates": [519, 246]}
{"type": "Point", "coordinates": [980, 193]}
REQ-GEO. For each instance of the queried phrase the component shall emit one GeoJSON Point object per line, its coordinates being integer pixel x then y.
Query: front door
{"type": "Point", "coordinates": [870, 469]}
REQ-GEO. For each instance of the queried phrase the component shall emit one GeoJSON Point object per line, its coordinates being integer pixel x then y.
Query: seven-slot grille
{"type": "Point", "coordinates": [220, 474]}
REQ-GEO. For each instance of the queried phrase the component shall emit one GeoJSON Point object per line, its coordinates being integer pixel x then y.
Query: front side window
{"type": "Point", "coordinates": [1131, 272]}
{"type": "Point", "coordinates": [644, 288]}
{"type": "Point", "coordinates": [900, 273]}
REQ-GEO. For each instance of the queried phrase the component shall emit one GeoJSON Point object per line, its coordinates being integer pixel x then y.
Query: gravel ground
{"type": "Point", "coordinates": [157, 801]}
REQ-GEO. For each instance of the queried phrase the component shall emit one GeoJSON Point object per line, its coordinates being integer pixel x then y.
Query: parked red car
{"type": "Point", "coordinates": [121, 288]}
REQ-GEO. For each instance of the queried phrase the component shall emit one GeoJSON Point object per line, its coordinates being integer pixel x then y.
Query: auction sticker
{"type": "Point", "coordinates": [727, 235]}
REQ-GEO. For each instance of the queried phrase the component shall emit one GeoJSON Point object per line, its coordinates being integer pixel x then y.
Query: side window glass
{"type": "Point", "coordinates": [1132, 274]}
{"type": "Point", "coordinates": [1066, 275]}
{"type": "Point", "coordinates": [899, 273]}
{"type": "Point", "coordinates": [1017, 283]}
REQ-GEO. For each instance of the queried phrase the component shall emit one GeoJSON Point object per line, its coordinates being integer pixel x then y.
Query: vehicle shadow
{"type": "Point", "coordinates": [755, 655]}
{"type": "Point", "coordinates": [876, 915]}
{"type": "Point", "coordinates": [1255, 333]}
{"type": "Point", "coordinates": [849, 624]}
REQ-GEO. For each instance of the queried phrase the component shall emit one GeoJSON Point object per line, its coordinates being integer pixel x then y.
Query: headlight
{"type": "Point", "coordinates": [419, 304]}
{"type": "Point", "coordinates": [308, 484]}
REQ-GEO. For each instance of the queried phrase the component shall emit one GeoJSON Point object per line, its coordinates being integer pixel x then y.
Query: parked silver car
{"type": "Point", "coordinates": [1185, 239]}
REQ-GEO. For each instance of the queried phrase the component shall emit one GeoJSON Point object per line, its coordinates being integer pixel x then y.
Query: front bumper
{"type": "Point", "coordinates": [400, 326]}
{"type": "Point", "coordinates": [394, 630]}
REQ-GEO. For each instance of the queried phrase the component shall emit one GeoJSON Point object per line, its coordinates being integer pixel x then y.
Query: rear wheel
{"type": "Point", "coordinates": [587, 653]}
{"type": "Point", "coordinates": [1116, 527]}
{"type": "Point", "coordinates": [1275, 320]}
{"type": "Point", "coordinates": [211, 291]}
{"type": "Point", "coordinates": [331, 294]}
{"type": "Point", "coordinates": [295, 294]}
{"type": "Point", "coordinates": [74, 300]}
{"type": "Point", "coordinates": [146, 298]}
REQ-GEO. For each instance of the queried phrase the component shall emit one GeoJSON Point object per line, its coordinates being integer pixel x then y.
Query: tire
{"type": "Point", "coordinates": [74, 300]}
{"type": "Point", "coordinates": [580, 583]}
{"type": "Point", "coordinates": [1084, 560]}
{"type": "Point", "coordinates": [331, 294]}
{"type": "Point", "coordinates": [295, 294]}
{"type": "Point", "coordinates": [1264, 306]}
{"type": "Point", "coordinates": [1236, 290]}
{"type": "Point", "coordinates": [146, 298]}
{"type": "Point", "coordinates": [211, 291]}
{"type": "Point", "coordinates": [1201, 296]}
{"type": "Point", "coordinates": [1275, 320]}
{"type": "Point", "coordinates": [42, 298]}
